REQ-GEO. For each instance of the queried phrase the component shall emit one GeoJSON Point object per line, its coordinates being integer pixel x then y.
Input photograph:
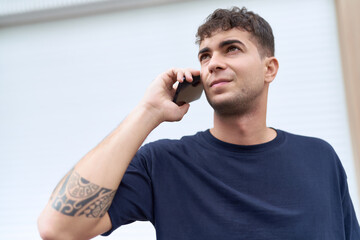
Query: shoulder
{"type": "Point", "coordinates": [309, 142]}
{"type": "Point", "coordinates": [164, 147]}
{"type": "Point", "coordinates": [164, 153]}
{"type": "Point", "coordinates": [310, 149]}
{"type": "Point", "coordinates": [314, 152]}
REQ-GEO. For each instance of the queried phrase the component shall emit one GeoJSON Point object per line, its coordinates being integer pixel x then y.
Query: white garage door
{"type": "Point", "coordinates": [66, 84]}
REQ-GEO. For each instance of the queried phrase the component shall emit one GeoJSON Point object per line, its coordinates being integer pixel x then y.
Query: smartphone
{"type": "Point", "coordinates": [188, 91]}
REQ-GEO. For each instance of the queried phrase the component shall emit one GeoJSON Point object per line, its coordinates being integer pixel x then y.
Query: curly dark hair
{"type": "Point", "coordinates": [226, 19]}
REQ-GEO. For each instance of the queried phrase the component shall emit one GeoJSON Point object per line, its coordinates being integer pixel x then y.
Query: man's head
{"type": "Point", "coordinates": [226, 19]}
{"type": "Point", "coordinates": [236, 54]}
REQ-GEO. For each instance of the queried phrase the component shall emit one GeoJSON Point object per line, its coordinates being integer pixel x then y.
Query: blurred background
{"type": "Point", "coordinates": [71, 70]}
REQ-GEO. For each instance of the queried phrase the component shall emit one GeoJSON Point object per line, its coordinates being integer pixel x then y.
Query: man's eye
{"type": "Point", "coordinates": [204, 57]}
{"type": "Point", "coordinates": [233, 49]}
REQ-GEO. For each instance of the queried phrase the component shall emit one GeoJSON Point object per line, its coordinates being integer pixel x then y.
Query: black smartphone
{"type": "Point", "coordinates": [188, 91]}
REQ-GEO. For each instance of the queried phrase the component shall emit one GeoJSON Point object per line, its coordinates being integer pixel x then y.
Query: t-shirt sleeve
{"type": "Point", "coordinates": [134, 197]}
{"type": "Point", "coordinates": [352, 229]}
{"type": "Point", "coordinates": [351, 225]}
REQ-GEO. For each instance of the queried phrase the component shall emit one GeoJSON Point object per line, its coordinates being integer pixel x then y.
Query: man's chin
{"type": "Point", "coordinates": [227, 107]}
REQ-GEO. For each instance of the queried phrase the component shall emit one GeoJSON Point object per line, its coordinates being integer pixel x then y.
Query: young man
{"type": "Point", "coordinates": [238, 180]}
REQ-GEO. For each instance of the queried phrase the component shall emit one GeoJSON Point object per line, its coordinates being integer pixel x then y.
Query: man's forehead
{"type": "Point", "coordinates": [221, 35]}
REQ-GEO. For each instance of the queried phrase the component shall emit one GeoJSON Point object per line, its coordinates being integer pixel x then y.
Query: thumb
{"type": "Point", "coordinates": [183, 109]}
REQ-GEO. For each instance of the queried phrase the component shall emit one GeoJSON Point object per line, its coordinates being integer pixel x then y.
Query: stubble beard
{"type": "Point", "coordinates": [239, 105]}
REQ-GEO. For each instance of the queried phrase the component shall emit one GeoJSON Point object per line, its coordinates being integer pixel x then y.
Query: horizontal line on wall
{"type": "Point", "coordinates": [76, 9]}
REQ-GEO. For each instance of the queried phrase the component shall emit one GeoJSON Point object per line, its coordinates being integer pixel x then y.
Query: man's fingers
{"type": "Point", "coordinates": [188, 76]}
{"type": "Point", "coordinates": [189, 73]}
{"type": "Point", "coordinates": [181, 74]}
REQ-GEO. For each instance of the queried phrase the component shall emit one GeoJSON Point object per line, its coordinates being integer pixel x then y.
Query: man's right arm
{"type": "Point", "coordinates": [78, 206]}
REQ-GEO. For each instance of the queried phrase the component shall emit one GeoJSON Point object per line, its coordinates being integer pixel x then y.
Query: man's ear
{"type": "Point", "coordinates": [271, 69]}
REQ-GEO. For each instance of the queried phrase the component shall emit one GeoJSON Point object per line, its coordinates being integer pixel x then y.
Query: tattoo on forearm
{"type": "Point", "coordinates": [77, 196]}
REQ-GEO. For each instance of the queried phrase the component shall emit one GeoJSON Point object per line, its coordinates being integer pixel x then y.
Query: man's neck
{"type": "Point", "coordinates": [242, 130]}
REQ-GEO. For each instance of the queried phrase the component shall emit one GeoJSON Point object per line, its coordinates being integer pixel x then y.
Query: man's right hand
{"type": "Point", "coordinates": [159, 95]}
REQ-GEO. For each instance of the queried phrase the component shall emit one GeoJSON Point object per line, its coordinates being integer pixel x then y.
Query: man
{"type": "Point", "coordinates": [238, 180]}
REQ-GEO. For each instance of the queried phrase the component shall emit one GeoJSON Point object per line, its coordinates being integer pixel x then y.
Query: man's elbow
{"type": "Point", "coordinates": [45, 230]}
{"type": "Point", "coordinates": [46, 233]}
{"type": "Point", "coordinates": [55, 226]}
{"type": "Point", "coordinates": [49, 230]}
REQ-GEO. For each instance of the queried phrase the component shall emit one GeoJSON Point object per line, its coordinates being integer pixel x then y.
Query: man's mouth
{"type": "Point", "coordinates": [219, 82]}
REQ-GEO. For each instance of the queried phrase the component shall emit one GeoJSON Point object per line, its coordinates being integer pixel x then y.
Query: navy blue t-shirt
{"type": "Point", "coordinates": [199, 187]}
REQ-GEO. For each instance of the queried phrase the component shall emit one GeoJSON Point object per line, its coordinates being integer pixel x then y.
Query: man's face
{"type": "Point", "coordinates": [232, 71]}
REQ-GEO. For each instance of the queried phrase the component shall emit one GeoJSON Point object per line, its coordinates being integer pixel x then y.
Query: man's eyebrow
{"type": "Point", "coordinates": [230, 41]}
{"type": "Point", "coordinates": [221, 45]}
{"type": "Point", "coordinates": [205, 49]}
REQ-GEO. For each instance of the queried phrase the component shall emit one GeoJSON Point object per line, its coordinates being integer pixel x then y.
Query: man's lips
{"type": "Point", "coordinates": [219, 82]}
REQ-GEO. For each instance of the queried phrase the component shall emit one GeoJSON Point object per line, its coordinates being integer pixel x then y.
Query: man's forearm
{"type": "Point", "coordinates": [106, 164]}
{"type": "Point", "coordinates": [78, 206]}
{"type": "Point", "coordinates": [84, 195]}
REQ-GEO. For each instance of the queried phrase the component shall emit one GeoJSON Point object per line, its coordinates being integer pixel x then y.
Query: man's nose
{"type": "Point", "coordinates": [216, 63]}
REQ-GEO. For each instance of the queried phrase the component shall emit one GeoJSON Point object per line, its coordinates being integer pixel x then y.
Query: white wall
{"type": "Point", "coordinates": [64, 85]}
